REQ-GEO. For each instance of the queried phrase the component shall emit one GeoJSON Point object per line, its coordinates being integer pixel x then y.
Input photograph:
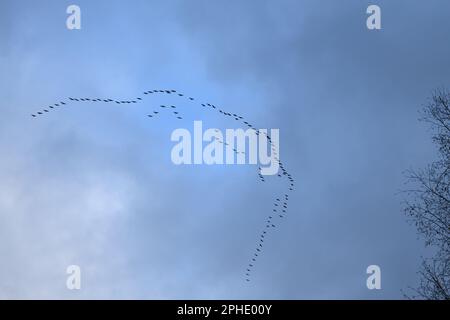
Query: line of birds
{"type": "Point", "coordinates": [280, 206]}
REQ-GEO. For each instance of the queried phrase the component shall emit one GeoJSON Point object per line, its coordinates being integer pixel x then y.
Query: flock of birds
{"type": "Point", "coordinates": [280, 205]}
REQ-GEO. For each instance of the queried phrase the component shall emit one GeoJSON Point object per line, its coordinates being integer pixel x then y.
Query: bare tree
{"type": "Point", "coordinates": [428, 204]}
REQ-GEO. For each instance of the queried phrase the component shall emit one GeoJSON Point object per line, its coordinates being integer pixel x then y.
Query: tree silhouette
{"type": "Point", "coordinates": [428, 204]}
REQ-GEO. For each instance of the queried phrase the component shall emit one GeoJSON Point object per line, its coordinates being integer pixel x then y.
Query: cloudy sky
{"type": "Point", "coordinates": [93, 184]}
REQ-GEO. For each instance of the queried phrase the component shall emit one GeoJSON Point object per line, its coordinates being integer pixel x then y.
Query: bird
{"type": "Point", "coordinates": [284, 173]}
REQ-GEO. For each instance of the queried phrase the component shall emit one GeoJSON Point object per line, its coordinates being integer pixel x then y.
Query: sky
{"type": "Point", "coordinates": [93, 184]}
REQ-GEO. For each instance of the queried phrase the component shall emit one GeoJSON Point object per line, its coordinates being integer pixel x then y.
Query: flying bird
{"type": "Point", "coordinates": [236, 117]}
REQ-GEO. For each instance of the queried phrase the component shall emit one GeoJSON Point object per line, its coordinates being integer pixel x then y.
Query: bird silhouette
{"type": "Point", "coordinates": [222, 111]}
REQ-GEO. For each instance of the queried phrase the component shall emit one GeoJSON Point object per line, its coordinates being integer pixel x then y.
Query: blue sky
{"type": "Point", "coordinates": [93, 184]}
